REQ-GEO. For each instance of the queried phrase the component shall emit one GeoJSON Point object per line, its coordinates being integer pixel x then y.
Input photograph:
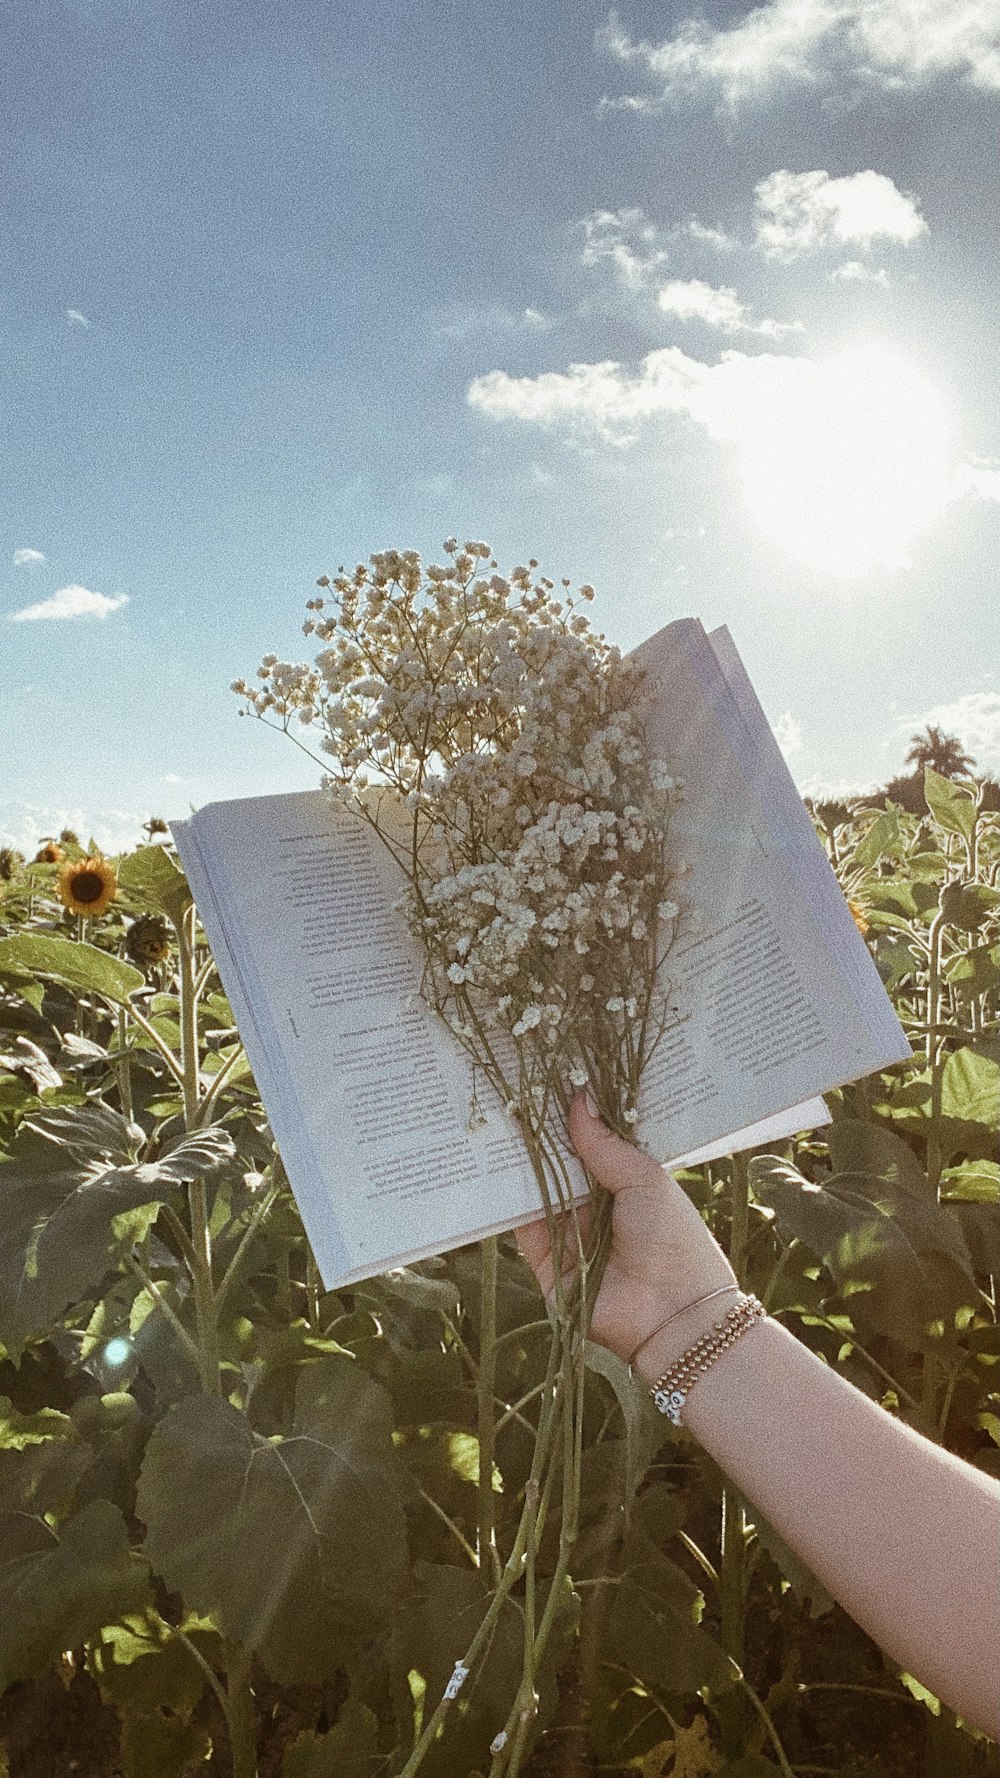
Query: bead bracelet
{"type": "Point", "coordinates": [671, 1390]}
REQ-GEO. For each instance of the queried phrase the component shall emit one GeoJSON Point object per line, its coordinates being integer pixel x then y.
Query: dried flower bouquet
{"type": "Point", "coordinates": [495, 743]}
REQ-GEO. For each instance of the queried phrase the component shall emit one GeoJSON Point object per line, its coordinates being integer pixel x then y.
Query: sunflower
{"type": "Point", "coordinates": [859, 917]}
{"type": "Point", "coordinates": [87, 886]}
{"type": "Point", "coordinates": [50, 853]}
{"type": "Point", "coordinates": [147, 940]}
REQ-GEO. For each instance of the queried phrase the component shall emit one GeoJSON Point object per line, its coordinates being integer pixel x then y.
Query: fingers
{"type": "Point", "coordinates": [612, 1161]}
{"type": "Point", "coordinates": [533, 1241]}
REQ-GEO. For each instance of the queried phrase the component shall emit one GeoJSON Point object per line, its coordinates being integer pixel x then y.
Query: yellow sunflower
{"type": "Point", "coordinates": [859, 917]}
{"type": "Point", "coordinates": [88, 886]}
{"type": "Point", "coordinates": [50, 853]}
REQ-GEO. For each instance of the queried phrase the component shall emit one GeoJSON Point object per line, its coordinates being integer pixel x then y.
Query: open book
{"type": "Point", "coordinates": [368, 1092]}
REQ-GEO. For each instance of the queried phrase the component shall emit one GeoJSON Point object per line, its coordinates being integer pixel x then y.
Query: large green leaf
{"type": "Point", "coordinates": [58, 1588]}
{"type": "Point", "coordinates": [653, 1624]}
{"type": "Point", "coordinates": [977, 971]}
{"type": "Point", "coordinates": [433, 1631]}
{"type": "Point", "coordinates": [968, 905]}
{"type": "Point", "coordinates": [898, 1258]}
{"type": "Point", "coordinates": [66, 1208]}
{"type": "Point", "coordinates": [970, 1088]}
{"type": "Point", "coordinates": [881, 839]}
{"type": "Point", "coordinates": [348, 1750]}
{"type": "Point", "coordinates": [298, 1544]}
{"type": "Point", "coordinates": [78, 966]}
{"type": "Point", "coordinates": [152, 879]}
{"type": "Point", "coordinates": [953, 808]}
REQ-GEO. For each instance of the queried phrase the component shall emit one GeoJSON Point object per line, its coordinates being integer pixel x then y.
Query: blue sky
{"type": "Point", "coordinates": [697, 307]}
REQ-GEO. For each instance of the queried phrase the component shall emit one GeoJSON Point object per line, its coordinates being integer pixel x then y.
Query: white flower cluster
{"type": "Point", "coordinates": [510, 737]}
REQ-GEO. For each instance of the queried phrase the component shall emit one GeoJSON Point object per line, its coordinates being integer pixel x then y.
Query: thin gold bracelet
{"type": "Point", "coordinates": [707, 1298]}
{"type": "Point", "coordinates": [671, 1390]}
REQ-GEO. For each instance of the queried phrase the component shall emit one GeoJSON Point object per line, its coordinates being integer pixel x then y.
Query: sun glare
{"type": "Point", "coordinates": [847, 461]}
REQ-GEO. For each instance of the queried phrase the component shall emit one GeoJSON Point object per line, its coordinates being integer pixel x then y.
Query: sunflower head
{"type": "Point", "coordinates": [50, 853]}
{"type": "Point", "coordinates": [10, 862]}
{"type": "Point", "coordinates": [859, 917]}
{"type": "Point", "coordinates": [87, 886]}
{"type": "Point", "coordinates": [147, 940]}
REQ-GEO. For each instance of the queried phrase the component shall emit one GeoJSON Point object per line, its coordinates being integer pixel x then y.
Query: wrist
{"type": "Point", "coordinates": [675, 1332]}
{"type": "Point", "coordinates": [702, 1335]}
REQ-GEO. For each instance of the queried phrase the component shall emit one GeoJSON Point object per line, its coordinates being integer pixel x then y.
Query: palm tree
{"type": "Point", "coordinates": [943, 753]}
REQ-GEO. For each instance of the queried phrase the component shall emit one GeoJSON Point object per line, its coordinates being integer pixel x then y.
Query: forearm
{"type": "Point", "coordinates": [903, 1535]}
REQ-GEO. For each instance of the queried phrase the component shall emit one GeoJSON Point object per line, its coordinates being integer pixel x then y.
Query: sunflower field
{"type": "Point", "coordinates": [238, 1513]}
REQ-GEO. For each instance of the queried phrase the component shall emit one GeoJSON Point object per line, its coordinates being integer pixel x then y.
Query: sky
{"type": "Point", "coordinates": [695, 306]}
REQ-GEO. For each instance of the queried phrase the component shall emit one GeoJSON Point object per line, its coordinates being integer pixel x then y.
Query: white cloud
{"type": "Point", "coordinates": [844, 462]}
{"type": "Point", "coordinates": [27, 558]}
{"type": "Point", "coordinates": [798, 212]}
{"type": "Point", "coordinates": [690, 299]}
{"type": "Point", "coordinates": [69, 602]}
{"type": "Point", "coordinates": [788, 734]}
{"type": "Point", "coordinates": [853, 272]}
{"type": "Point", "coordinates": [806, 42]}
{"type": "Point", "coordinates": [974, 718]}
{"type": "Point", "coordinates": [457, 321]}
{"type": "Point", "coordinates": [172, 778]}
{"type": "Point", "coordinates": [626, 240]}
{"type": "Point", "coordinates": [76, 319]}
{"type": "Point", "coordinates": [26, 824]}
{"type": "Point", "coordinates": [711, 237]}
{"type": "Point", "coordinates": [979, 477]}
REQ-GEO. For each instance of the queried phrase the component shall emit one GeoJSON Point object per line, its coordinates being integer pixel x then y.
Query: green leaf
{"type": "Point", "coordinates": [972, 1182]}
{"type": "Point", "coordinates": [197, 1152]}
{"type": "Point", "coordinates": [141, 1665]}
{"type": "Point", "coordinates": [803, 1582]}
{"type": "Point", "coordinates": [653, 1626]}
{"type": "Point", "coordinates": [89, 1132]}
{"type": "Point", "coordinates": [433, 1630]}
{"type": "Point", "coordinates": [977, 970]}
{"type": "Point", "coordinates": [881, 839]}
{"type": "Point", "coordinates": [72, 965]}
{"type": "Point", "coordinates": [898, 1259]}
{"type": "Point", "coordinates": [640, 1417]}
{"type": "Point", "coordinates": [348, 1750]}
{"type": "Point", "coordinates": [58, 1588]}
{"type": "Point", "coordinates": [968, 905]}
{"type": "Point", "coordinates": [297, 1544]}
{"type": "Point", "coordinates": [64, 1221]}
{"type": "Point", "coordinates": [953, 808]}
{"type": "Point", "coordinates": [970, 1088]}
{"type": "Point", "coordinates": [161, 1746]}
{"type": "Point", "coordinates": [156, 882]}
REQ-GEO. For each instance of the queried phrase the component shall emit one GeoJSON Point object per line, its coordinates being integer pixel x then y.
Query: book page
{"type": "Point", "coordinates": [367, 1091]}
{"type": "Point", "coordinates": [763, 1017]}
{"type": "Point", "coordinates": [796, 838]}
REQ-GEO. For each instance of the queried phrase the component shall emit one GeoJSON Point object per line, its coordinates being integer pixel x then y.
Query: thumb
{"type": "Point", "coordinates": [612, 1160]}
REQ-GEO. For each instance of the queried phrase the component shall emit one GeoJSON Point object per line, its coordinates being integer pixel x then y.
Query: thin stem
{"type": "Point", "coordinates": [240, 1712]}
{"type": "Point", "coordinates": [161, 1302]}
{"type": "Point", "coordinates": [158, 1042]}
{"type": "Point", "coordinates": [217, 1083]}
{"type": "Point", "coordinates": [204, 1294]}
{"type": "Point", "coordinates": [429, 1500]}
{"type": "Point", "coordinates": [758, 1705]}
{"type": "Point", "coordinates": [209, 1671]}
{"type": "Point", "coordinates": [123, 1069]}
{"type": "Point", "coordinates": [235, 1265]}
{"type": "Point", "coordinates": [486, 1528]}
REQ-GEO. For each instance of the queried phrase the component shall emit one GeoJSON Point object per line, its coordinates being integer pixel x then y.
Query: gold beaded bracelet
{"type": "Point", "coordinates": [671, 1391]}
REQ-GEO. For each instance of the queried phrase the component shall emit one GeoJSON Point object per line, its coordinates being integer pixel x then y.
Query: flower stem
{"type": "Point", "coordinates": [486, 1544]}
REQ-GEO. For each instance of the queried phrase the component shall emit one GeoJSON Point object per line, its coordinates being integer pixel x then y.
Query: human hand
{"type": "Point", "coordinates": [662, 1256]}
